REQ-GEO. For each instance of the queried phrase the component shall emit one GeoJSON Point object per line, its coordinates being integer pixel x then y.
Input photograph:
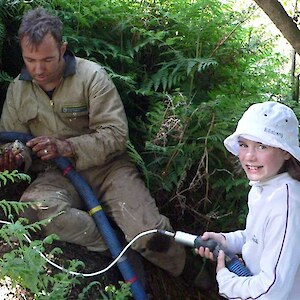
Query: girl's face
{"type": "Point", "coordinates": [259, 161]}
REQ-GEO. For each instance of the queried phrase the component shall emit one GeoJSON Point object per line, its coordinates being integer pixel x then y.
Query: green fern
{"type": "Point", "coordinates": [25, 266]}
{"type": "Point", "coordinates": [137, 160]}
{"type": "Point", "coordinates": [10, 207]}
{"type": "Point", "coordinates": [174, 72]}
{"type": "Point", "coordinates": [20, 228]}
{"type": "Point", "coordinates": [13, 176]}
{"type": "Point", "coordinates": [5, 77]}
{"type": "Point", "coordinates": [185, 70]}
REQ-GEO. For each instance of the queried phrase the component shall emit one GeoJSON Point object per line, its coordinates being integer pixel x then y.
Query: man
{"type": "Point", "coordinates": [73, 110]}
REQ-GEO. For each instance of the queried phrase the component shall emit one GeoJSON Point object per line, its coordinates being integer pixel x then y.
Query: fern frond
{"type": "Point", "coordinates": [174, 72]}
{"type": "Point", "coordinates": [9, 207]}
{"type": "Point", "coordinates": [6, 176]}
{"type": "Point", "coordinates": [137, 159]}
{"type": "Point", "coordinates": [5, 78]}
{"type": "Point", "coordinates": [37, 226]}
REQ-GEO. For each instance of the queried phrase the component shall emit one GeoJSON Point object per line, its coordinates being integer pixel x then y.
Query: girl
{"type": "Point", "coordinates": [266, 143]}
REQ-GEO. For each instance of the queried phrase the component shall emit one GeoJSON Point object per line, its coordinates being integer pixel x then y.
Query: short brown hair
{"type": "Point", "coordinates": [37, 23]}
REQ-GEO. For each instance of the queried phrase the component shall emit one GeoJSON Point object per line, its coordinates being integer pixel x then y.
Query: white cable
{"type": "Point", "coordinates": [95, 273]}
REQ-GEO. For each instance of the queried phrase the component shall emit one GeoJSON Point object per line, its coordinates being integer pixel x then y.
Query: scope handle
{"type": "Point", "coordinates": [232, 262]}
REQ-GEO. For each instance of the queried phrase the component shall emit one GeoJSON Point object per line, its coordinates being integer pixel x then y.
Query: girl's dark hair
{"type": "Point", "coordinates": [292, 166]}
{"type": "Point", "coordinates": [37, 23]}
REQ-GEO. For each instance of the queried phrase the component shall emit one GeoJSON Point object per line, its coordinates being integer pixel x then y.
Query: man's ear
{"type": "Point", "coordinates": [63, 49]}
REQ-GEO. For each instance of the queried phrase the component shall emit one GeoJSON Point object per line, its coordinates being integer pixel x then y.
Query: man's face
{"type": "Point", "coordinates": [44, 62]}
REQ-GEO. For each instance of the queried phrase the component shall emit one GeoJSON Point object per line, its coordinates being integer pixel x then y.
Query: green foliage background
{"type": "Point", "coordinates": [186, 70]}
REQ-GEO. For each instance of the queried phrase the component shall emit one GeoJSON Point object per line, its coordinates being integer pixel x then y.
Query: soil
{"type": "Point", "coordinates": [158, 284]}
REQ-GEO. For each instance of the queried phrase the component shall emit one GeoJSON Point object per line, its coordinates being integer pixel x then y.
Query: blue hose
{"type": "Point", "coordinates": [237, 267]}
{"type": "Point", "coordinates": [95, 210]}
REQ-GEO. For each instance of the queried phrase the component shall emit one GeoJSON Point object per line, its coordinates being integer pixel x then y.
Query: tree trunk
{"type": "Point", "coordinates": [282, 21]}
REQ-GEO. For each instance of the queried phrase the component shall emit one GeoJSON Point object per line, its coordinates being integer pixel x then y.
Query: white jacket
{"type": "Point", "coordinates": [270, 244]}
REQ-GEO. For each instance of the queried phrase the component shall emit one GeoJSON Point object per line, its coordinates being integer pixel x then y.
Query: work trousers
{"type": "Point", "coordinates": [125, 200]}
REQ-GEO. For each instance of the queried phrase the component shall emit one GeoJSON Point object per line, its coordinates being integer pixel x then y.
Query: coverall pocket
{"type": "Point", "coordinates": [26, 115]}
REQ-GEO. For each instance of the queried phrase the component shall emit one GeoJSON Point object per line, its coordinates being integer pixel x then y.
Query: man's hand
{"type": "Point", "coordinates": [48, 148]}
{"type": "Point", "coordinates": [9, 160]}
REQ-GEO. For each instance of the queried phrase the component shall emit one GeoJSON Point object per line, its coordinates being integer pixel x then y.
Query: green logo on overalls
{"type": "Point", "coordinates": [74, 109]}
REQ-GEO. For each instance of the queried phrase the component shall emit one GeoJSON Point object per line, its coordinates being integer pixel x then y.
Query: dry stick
{"type": "Point", "coordinates": [206, 159]}
{"type": "Point", "coordinates": [208, 217]}
{"type": "Point", "coordinates": [166, 110]}
{"type": "Point", "coordinates": [226, 37]}
{"type": "Point", "coordinates": [204, 156]}
{"type": "Point", "coordinates": [174, 154]}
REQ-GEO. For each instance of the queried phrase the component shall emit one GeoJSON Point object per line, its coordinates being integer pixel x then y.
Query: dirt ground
{"type": "Point", "coordinates": [159, 284]}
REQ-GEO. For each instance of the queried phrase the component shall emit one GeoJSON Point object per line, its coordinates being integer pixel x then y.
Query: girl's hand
{"type": "Point", "coordinates": [220, 261]}
{"type": "Point", "coordinates": [205, 252]}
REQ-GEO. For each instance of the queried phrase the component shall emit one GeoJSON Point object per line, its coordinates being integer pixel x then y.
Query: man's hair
{"type": "Point", "coordinates": [37, 23]}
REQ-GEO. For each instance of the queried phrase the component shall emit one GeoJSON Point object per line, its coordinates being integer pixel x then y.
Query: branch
{"type": "Point", "coordinates": [282, 21]}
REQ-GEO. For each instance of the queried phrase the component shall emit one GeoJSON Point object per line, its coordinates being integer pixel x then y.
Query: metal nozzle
{"type": "Point", "coordinates": [165, 232]}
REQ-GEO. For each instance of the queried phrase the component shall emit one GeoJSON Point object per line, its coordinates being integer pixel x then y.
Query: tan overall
{"type": "Point", "coordinates": [87, 111]}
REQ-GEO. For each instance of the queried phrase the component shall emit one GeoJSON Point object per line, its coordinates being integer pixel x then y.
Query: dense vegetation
{"type": "Point", "coordinates": [186, 70]}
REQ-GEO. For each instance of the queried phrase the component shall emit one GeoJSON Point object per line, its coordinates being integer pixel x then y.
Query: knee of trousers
{"type": "Point", "coordinates": [74, 225]}
{"type": "Point", "coordinates": [52, 209]}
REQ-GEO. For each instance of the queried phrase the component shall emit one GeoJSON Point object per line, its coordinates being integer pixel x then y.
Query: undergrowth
{"type": "Point", "coordinates": [24, 265]}
{"type": "Point", "coordinates": [186, 71]}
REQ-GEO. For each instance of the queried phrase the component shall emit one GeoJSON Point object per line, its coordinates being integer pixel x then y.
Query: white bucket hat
{"type": "Point", "coordinates": [269, 123]}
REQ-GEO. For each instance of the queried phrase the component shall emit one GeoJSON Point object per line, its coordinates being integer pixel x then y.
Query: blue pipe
{"type": "Point", "coordinates": [95, 210]}
{"type": "Point", "coordinates": [237, 267]}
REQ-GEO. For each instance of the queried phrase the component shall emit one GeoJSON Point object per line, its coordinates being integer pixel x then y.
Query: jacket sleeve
{"type": "Point", "coordinates": [9, 118]}
{"type": "Point", "coordinates": [107, 123]}
{"type": "Point", "coordinates": [9, 122]}
{"type": "Point", "coordinates": [235, 240]}
{"type": "Point", "coordinates": [278, 263]}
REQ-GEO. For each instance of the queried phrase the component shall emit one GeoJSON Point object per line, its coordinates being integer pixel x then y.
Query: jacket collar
{"type": "Point", "coordinates": [275, 179]}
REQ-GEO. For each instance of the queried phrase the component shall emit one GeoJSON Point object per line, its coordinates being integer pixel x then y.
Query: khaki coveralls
{"type": "Point", "coordinates": [86, 110]}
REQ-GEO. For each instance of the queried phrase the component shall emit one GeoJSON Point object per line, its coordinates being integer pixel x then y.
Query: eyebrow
{"type": "Point", "coordinates": [48, 57]}
{"type": "Point", "coordinates": [242, 140]}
